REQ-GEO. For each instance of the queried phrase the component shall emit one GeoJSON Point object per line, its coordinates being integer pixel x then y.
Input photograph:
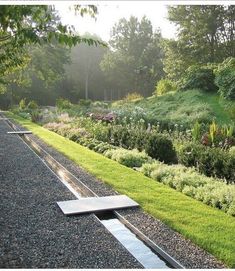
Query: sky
{"type": "Point", "coordinates": [109, 13]}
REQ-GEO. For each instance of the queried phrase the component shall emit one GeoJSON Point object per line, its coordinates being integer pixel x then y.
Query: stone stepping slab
{"type": "Point", "coordinates": [96, 204]}
{"type": "Point", "coordinates": [20, 132]}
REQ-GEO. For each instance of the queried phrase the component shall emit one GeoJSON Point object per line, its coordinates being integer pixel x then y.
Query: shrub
{"type": "Point", "coordinates": [129, 158]}
{"type": "Point", "coordinates": [127, 137]}
{"type": "Point", "coordinates": [35, 116]}
{"type": "Point", "coordinates": [209, 190]}
{"type": "Point", "coordinates": [197, 77]}
{"type": "Point", "coordinates": [75, 134]}
{"type": "Point", "coordinates": [105, 117]}
{"type": "Point", "coordinates": [101, 104]}
{"type": "Point", "coordinates": [102, 147]}
{"type": "Point", "coordinates": [210, 161]}
{"type": "Point", "coordinates": [63, 104]}
{"type": "Point", "coordinates": [164, 86]}
{"type": "Point", "coordinates": [232, 151]}
{"type": "Point", "coordinates": [231, 209]}
{"type": "Point", "coordinates": [160, 147]}
{"type": "Point", "coordinates": [32, 105]}
{"type": "Point", "coordinates": [225, 78]}
{"type": "Point", "coordinates": [25, 115]}
{"type": "Point", "coordinates": [120, 136]}
{"type": "Point", "coordinates": [22, 104]}
{"type": "Point", "coordinates": [84, 102]}
{"type": "Point", "coordinates": [230, 108]}
{"type": "Point", "coordinates": [132, 97]}
{"type": "Point", "coordinates": [148, 168]}
{"type": "Point", "coordinates": [60, 128]}
{"type": "Point", "coordinates": [130, 114]}
{"type": "Point", "coordinates": [100, 132]}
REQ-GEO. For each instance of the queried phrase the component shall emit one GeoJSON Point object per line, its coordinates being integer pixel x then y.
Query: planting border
{"type": "Point", "coordinates": [209, 228]}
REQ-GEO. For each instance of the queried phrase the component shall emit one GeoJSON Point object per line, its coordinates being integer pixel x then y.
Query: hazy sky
{"type": "Point", "coordinates": [109, 12]}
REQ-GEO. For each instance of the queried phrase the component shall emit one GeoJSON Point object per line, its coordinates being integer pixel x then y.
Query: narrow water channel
{"type": "Point", "coordinates": [133, 244]}
{"type": "Point", "coordinates": [129, 240]}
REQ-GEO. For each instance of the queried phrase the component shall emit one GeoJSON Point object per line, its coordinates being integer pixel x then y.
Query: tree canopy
{"type": "Point", "coordinates": [23, 25]}
{"type": "Point", "coordinates": [205, 35]}
{"type": "Point", "coordinates": [41, 57]}
{"type": "Point", "coordinates": [134, 62]}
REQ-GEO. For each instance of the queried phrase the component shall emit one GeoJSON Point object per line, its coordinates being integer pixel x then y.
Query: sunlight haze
{"type": "Point", "coordinates": [110, 12]}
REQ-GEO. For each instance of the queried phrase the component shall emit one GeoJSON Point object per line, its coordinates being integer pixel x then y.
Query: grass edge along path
{"type": "Point", "coordinates": [207, 227]}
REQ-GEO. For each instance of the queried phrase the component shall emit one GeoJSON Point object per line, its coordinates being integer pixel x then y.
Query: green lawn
{"type": "Point", "coordinates": [210, 228]}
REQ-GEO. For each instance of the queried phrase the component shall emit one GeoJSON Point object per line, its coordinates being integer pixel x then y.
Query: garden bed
{"type": "Point", "coordinates": [209, 228]}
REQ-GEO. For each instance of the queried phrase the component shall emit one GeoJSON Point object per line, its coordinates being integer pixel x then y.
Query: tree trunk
{"type": "Point", "coordinates": [86, 86]}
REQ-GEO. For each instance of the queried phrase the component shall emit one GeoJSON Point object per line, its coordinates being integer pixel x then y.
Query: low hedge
{"type": "Point", "coordinates": [210, 191]}
{"type": "Point", "coordinates": [129, 158]}
{"type": "Point", "coordinates": [209, 161]}
{"type": "Point", "coordinates": [160, 147]}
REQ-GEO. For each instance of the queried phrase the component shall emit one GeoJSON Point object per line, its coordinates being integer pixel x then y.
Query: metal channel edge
{"type": "Point", "coordinates": [86, 191]}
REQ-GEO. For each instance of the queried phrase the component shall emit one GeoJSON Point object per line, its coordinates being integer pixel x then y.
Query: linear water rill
{"type": "Point", "coordinates": [132, 243]}
{"type": "Point", "coordinates": [113, 221]}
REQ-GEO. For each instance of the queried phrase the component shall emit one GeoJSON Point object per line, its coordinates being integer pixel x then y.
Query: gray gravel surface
{"type": "Point", "coordinates": [183, 250]}
{"type": "Point", "coordinates": [34, 231]}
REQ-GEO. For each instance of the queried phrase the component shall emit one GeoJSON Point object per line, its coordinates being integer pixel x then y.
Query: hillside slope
{"type": "Point", "coordinates": [183, 108]}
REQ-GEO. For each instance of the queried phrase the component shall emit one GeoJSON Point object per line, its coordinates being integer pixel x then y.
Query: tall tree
{"type": "Point", "coordinates": [44, 70]}
{"type": "Point", "coordinates": [22, 25]}
{"type": "Point", "coordinates": [134, 61]}
{"type": "Point", "coordinates": [205, 35]}
{"type": "Point", "coordinates": [85, 69]}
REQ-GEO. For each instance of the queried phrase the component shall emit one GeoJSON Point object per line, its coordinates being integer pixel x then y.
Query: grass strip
{"type": "Point", "coordinates": [207, 227]}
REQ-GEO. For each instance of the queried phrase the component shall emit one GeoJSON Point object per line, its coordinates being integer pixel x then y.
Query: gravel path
{"type": "Point", "coordinates": [34, 231]}
{"type": "Point", "coordinates": [183, 250]}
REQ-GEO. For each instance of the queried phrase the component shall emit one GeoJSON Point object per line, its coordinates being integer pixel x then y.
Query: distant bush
{"type": "Point", "coordinates": [225, 78]}
{"type": "Point", "coordinates": [132, 97]}
{"type": "Point", "coordinates": [85, 102]}
{"type": "Point", "coordinates": [160, 147]}
{"type": "Point", "coordinates": [100, 104]}
{"type": "Point", "coordinates": [32, 105]}
{"type": "Point", "coordinates": [164, 86]}
{"type": "Point", "coordinates": [22, 104]}
{"type": "Point", "coordinates": [209, 161]}
{"type": "Point", "coordinates": [126, 137]}
{"type": "Point", "coordinates": [63, 104]}
{"type": "Point", "coordinates": [197, 77]}
{"type": "Point", "coordinates": [24, 115]}
{"type": "Point", "coordinates": [35, 116]}
{"type": "Point", "coordinates": [129, 158]}
{"type": "Point", "coordinates": [130, 114]}
{"type": "Point", "coordinates": [105, 117]}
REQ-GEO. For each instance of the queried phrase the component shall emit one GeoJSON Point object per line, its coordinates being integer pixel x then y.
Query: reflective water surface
{"type": "Point", "coordinates": [134, 245]}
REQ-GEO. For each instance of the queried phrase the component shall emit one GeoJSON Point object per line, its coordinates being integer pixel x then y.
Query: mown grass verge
{"type": "Point", "coordinates": [209, 228]}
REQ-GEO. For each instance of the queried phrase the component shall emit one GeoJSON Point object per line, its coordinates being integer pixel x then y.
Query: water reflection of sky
{"type": "Point", "coordinates": [135, 246]}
